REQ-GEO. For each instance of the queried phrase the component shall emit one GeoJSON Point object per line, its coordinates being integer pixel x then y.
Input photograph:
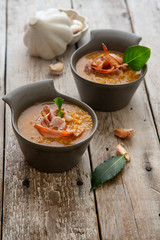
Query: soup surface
{"type": "Point", "coordinates": [39, 123]}
{"type": "Point", "coordinates": [122, 75]}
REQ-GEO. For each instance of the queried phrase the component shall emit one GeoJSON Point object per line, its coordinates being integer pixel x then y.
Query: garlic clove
{"type": "Point", "coordinates": [76, 28]}
{"type": "Point", "coordinates": [121, 150]}
{"type": "Point", "coordinates": [76, 22]}
{"type": "Point", "coordinates": [56, 68]}
{"type": "Point", "coordinates": [76, 25]}
{"type": "Point", "coordinates": [124, 133]}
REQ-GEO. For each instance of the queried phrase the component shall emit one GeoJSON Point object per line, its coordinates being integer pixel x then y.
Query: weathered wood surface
{"type": "Point", "coordinates": [145, 17]}
{"type": "Point", "coordinates": [2, 76]}
{"type": "Point", "coordinates": [53, 206]}
{"type": "Point", "coordinates": [39, 205]}
{"type": "Point", "coordinates": [129, 206]}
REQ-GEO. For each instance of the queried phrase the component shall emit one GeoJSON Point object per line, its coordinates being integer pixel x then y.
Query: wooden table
{"type": "Point", "coordinates": [41, 206]}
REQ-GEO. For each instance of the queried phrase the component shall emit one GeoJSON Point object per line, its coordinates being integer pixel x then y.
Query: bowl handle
{"type": "Point", "coordinates": [114, 39]}
{"type": "Point", "coordinates": [31, 92]}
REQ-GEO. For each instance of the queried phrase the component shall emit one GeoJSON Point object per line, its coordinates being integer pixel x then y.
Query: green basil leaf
{"type": "Point", "coordinates": [107, 170]}
{"type": "Point", "coordinates": [59, 102]}
{"type": "Point", "coordinates": [136, 57]}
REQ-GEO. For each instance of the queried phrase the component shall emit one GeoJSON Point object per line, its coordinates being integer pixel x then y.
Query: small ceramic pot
{"type": "Point", "coordinates": [106, 97]}
{"type": "Point", "coordinates": [42, 157]}
{"type": "Point", "coordinates": [75, 15]}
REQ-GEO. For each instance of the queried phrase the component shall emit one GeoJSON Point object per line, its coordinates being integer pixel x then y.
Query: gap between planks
{"type": "Point", "coordinates": [4, 111]}
{"type": "Point", "coordinates": [91, 167]}
{"type": "Point", "coordinates": [146, 89]}
{"type": "Point", "coordinates": [95, 199]}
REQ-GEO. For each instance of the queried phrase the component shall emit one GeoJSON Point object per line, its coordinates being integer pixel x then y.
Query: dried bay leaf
{"type": "Point", "coordinates": [107, 170]}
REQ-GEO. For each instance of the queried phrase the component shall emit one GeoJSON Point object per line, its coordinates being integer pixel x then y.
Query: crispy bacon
{"type": "Point", "coordinates": [51, 126]}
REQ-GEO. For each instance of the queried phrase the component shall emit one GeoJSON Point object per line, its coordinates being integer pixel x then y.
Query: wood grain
{"type": "Point", "coordinates": [59, 206]}
{"type": "Point", "coordinates": [2, 91]}
{"type": "Point", "coordinates": [129, 206]}
{"type": "Point", "coordinates": [145, 17]}
{"type": "Point", "coordinates": [39, 205]}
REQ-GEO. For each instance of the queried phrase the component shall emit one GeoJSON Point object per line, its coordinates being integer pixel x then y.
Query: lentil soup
{"type": "Point", "coordinates": [121, 76]}
{"type": "Point", "coordinates": [76, 122]}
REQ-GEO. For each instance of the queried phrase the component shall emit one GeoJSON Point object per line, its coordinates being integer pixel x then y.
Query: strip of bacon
{"type": "Point", "coordinates": [57, 123]}
{"type": "Point", "coordinates": [45, 111]}
{"type": "Point", "coordinates": [51, 133]}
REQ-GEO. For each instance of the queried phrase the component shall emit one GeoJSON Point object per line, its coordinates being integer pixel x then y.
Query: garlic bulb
{"type": "Point", "coordinates": [48, 33]}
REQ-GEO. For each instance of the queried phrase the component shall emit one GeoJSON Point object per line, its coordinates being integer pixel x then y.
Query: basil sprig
{"type": "Point", "coordinates": [59, 102]}
{"type": "Point", "coordinates": [136, 57]}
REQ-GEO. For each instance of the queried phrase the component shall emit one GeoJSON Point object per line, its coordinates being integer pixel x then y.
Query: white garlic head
{"type": "Point", "coordinates": [48, 34]}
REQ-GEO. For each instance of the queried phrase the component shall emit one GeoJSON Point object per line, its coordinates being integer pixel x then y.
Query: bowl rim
{"type": "Point", "coordinates": [142, 74]}
{"type": "Point", "coordinates": [66, 147]}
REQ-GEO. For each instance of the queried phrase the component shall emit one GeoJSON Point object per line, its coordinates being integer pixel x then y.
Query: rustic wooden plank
{"type": "Point", "coordinates": [40, 205]}
{"type": "Point", "coordinates": [146, 24]}
{"type": "Point", "coordinates": [129, 206]}
{"type": "Point", "coordinates": [2, 90]}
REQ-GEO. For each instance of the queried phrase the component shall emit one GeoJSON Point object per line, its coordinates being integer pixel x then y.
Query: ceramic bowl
{"type": "Point", "coordinates": [42, 157]}
{"type": "Point", "coordinates": [106, 97]}
{"type": "Point", "coordinates": [75, 15]}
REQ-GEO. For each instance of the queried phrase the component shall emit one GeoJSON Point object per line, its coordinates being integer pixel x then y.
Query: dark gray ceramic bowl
{"type": "Point", "coordinates": [106, 97]}
{"type": "Point", "coordinates": [42, 157]}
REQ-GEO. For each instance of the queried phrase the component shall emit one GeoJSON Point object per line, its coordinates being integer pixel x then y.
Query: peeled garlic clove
{"type": "Point", "coordinates": [76, 25]}
{"type": "Point", "coordinates": [56, 68]}
{"type": "Point", "coordinates": [121, 150]}
{"type": "Point", "coordinates": [77, 22]}
{"type": "Point", "coordinates": [124, 133]}
{"type": "Point", "coordinates": [76, 28]}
